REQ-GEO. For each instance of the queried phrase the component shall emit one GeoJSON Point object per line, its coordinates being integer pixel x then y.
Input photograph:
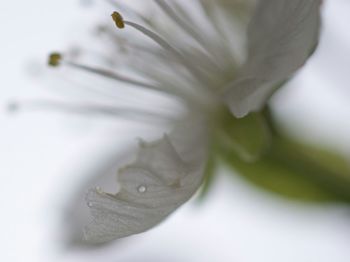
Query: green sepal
{"type": "Point", "coordinates": [296, 171]}
{"type": "Point", "coordinates": [247, 137]}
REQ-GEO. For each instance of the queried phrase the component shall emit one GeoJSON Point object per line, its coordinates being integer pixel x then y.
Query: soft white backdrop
{"type": "Point", "coordinates": [44, 154]}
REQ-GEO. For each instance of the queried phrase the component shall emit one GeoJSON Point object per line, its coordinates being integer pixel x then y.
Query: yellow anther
{"type": "Point", "coordinates": [54, 59]}
{"type": "Point", "coordinates": [118, 19]}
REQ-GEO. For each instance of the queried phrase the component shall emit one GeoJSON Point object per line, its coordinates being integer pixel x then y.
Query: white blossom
{"type": "Point", "coordinates": [200, 61]}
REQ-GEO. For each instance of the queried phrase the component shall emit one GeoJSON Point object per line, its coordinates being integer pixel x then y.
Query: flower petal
{"type": "Point", "coordinates": [281, 36]}
{"type": "Point", "coordinates": [151, 188]}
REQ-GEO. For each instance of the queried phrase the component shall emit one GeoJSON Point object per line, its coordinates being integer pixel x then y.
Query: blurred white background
{"type": "Point", "coordinates": [44, 154]}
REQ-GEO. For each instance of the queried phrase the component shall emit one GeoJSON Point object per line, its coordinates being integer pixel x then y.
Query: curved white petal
{"type": "Point", "coordinates": [281, 37]}
{"type": "Point", "coordinates": [152, 187]}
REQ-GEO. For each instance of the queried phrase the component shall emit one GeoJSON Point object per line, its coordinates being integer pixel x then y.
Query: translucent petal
{"type": "Point", "coordinates": [281, 36]}
{"type": "Point", "coordinates": [151, 188]}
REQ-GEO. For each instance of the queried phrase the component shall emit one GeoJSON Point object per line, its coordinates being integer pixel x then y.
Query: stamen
{"type": "Point", "coordinates": [96, 109]}
{"type": "Point", "coordinates": [189, 29]}
{"type": "Point", "coordinates": [118, 19]}
{"type": "Point", "coordinates": [114, 76]}
{"type": "Point", "coordinates": [160, 41]}
{"type": "Point", "coordinates": [175, 93]}
{"type": "Point", "coordinates": [180, 22]}
{"type": "Point", "coordinates": [54, 59]}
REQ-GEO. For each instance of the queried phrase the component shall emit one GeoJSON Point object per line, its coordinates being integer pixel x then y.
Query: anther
{"type": "Point", "coordinates": [54, 59]}
{"type": "Point", "coordinates": [118, 20]}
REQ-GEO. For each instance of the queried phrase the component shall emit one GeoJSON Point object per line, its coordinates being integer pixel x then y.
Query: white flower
{"type": "Point", "coordinates": [199, 62]}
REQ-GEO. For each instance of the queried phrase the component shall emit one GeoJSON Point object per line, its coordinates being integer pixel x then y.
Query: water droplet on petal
{"type": "Point", "coordinates": [89, 204]}
{"type": "Point", "coordinates": [99, 190]}
{"type": "Point", "coordinates": [141, 189]}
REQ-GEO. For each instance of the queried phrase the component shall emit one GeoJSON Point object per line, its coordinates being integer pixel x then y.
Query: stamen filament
{"type": "Point", "coordinates": [188, 27]}
{"type": "Point", "coordinates": [86, 109]}
{"type": "Point", "coordinates": [118, 77]}
{"type": "Point", "coordinates": [183, 24]}
{"type": "Point", "coordinates": [178, 94]}
{"type": "Point", "coordinates": [160, 41]}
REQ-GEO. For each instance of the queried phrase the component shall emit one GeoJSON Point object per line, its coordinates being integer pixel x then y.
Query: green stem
{"type": "Point", "coordinates": [284, 152]}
